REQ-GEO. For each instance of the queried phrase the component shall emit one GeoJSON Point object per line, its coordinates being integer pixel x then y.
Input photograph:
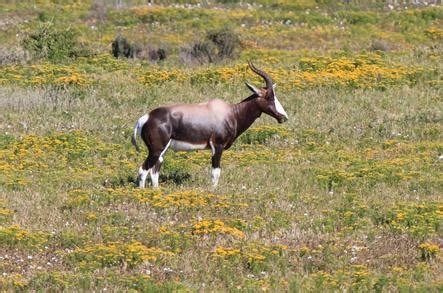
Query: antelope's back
{"type": "Point", "coordinates": [198, 122]}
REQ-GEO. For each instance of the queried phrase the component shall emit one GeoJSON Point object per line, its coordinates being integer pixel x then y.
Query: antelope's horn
{"type": "Point", "coordinates": [263, 74]}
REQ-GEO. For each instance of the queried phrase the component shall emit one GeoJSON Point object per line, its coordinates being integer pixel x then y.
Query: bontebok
{"type": "Point", "coordinates": [212, 125]}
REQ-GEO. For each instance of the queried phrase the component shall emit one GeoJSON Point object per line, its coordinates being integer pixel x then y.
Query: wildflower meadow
{"type": "Point", "coordinates": [347, 195]}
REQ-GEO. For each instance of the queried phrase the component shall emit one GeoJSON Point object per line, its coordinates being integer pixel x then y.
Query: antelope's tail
{"type": "Point", "coordinates": [137, 130]}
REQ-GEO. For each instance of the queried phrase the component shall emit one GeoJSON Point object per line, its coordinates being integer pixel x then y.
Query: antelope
{"type": "Point", "coordinates": [212, 125]}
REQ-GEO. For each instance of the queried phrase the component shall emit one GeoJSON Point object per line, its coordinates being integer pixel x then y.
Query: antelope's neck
{"type": "Point", "coordinates": [245, 112]}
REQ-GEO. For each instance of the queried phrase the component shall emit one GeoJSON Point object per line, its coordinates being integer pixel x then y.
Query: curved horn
{"type": "Point", "coordinates": [263, 74]}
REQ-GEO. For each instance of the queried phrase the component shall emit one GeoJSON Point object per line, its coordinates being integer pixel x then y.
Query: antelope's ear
{"type": "Point", "coordinates": [253, 89]}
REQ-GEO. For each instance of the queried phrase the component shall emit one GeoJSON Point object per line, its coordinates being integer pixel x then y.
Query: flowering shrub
{"type": "Point", "coordinates": [53, 154]}
{"type": "Point", "coordinates": [186, 199]}
{"type": "Point", "coordinates": [14, 236]}
{"type": "Point", "coordinates": [398, 162]}
{"type": "Point", "coordinates": [360, 277]}
{"type": "Point", "coordinates": [114, 254]}
{"type": "Point", "coordinates": [434, 33]}
{"type": "Point", "coordinates": [361, 71]}
{"type": "Point", "coordinates": [13, 282]}
{"type": "Point", "coordinates": [421, 219]}
{"type": "Point", "coordinates": [80, 73]}
{"type": "Point", "coordinates": [351, 215]}
{"type": "Point", "coordinates": [43, 74]}
{"type": "Point", "coordinates": [204, 227]}
{"type": "Point", "coordinates": [428, 251]}
{"type": "Point", "coordinates": [251, 253]}
{"type": "Point", "coordinates": [5, 213]}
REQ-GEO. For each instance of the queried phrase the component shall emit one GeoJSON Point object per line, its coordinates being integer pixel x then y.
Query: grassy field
{"type": "Point", "coordinates": [347, 195]}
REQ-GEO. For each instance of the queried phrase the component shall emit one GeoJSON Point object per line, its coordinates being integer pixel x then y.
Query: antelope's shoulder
{"type": "Point", "coordinates": [217, 103]}
{"type": "Point", "coordinates": [218, 106]}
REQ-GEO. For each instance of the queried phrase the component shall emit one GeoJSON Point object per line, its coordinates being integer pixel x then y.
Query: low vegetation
{"type": "Point", "coordinates": [345, 196]}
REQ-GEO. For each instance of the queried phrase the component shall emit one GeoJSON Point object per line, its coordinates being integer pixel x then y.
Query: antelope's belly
{"type": "Point", "coordinates": [179, 145]}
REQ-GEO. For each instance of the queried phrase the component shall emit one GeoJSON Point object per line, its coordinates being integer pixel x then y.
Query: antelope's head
{"type": "Point", "coordinates": [266, 97]}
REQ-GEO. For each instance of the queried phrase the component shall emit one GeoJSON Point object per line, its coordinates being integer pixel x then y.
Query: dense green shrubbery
{"type": "Point", "coordinates": [122, 48]}
{"type": "Point", "coordinates": [54, 44]}
{"type": "Point", "coordinates": [226, 42]}
{"type": "Point", "coordinates": [157, 54]}
{"type": "Point", "coordinates": [173, 172]}
{"type": "Point", "coordinates": [217, 46]}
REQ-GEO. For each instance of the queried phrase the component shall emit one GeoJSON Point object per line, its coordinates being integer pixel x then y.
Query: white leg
{"type": "Point", "coordinates": [212, 147]}
{"type": "Point", "coordinates": [142, 173]}
{"type": "Point", "coordinates": [154, 179]}
{"type": "Point", "coordinates": [155, 171]}
{"type": "Point", "coordinates": [155, 174]}
{"type": "Point", "coordinates": [215, 176]}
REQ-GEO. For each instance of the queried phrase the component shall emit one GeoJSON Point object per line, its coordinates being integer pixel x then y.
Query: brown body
{"type": "Point", "coordinates": [195, 124]}
{"type": "Point", "coordinates": [212, 125]}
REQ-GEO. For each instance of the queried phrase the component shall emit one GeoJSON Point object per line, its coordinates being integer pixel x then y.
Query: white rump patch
{"type": "Point", "coordinates": [215, 176]}
{"type": "Point", "coordinates": [141, 121]}
{"type": "Point", "coordinates": [178, 145]}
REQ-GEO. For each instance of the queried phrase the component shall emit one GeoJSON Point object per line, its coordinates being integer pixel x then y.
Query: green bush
{"type": "Point", "coordinates": [218, 45]}
{"type": "Point", "coordinates": [177, 173]}
{"type": "Point", "coordinates": [226, 42]}
{"type": "Point", "coordinates": [54, 44]}
{"type": "Point", "coordinates": [122, 48]}
{"type": "Point", "coordinates": [378, 45]}
{"type": "Point", "coordinates": [157, 54]}
{"type": "Point", "coordinates": [202, 52]}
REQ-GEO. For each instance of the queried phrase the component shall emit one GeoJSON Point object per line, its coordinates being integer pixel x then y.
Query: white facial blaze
{"type": "Point", "coordinates": [279, 107]}
{"type": "Point", "coordinates": [215, 176]}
